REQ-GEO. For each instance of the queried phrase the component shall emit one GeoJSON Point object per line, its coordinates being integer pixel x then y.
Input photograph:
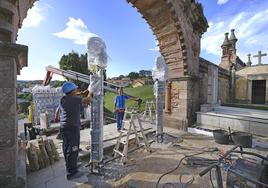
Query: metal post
{"type": "Point", "coordinates": [160, 86]}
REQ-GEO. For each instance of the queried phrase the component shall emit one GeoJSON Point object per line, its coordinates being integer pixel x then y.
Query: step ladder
{"type": "Point", "coordinates": [124, 135]}
{"type": "Point", "coordinates": [149, 112]}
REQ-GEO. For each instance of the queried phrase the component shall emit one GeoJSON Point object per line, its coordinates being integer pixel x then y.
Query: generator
{"type": "Point", "coordinates": [242, 172]}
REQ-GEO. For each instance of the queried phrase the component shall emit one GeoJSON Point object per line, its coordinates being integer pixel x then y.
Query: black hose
{"type": "Point", "coordinates": [199, 153]}
{"type": "Point", "coordinates": [210, 177]}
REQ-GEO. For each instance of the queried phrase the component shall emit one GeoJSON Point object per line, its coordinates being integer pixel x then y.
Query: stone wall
{"type": "Point", "coordinates": [224, 86]}
{"type": "Point", "coordinates": [208, 79]}
{"type": "Point", "coordinates": [207, 86]}
{"type": "Point", "coordinates": [241, 90]}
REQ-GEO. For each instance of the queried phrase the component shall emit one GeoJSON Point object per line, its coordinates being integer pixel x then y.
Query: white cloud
{"type": "Point", "coordinates": [156, 49]}
{"type": "Point", "coordinates": [34, 17]}
{"type": "Point", "coordinates": [76, 31]}
{"type": "Point", "coordinates": [250, 29]}
{"type": "Point", "coordinates": [221, 2]}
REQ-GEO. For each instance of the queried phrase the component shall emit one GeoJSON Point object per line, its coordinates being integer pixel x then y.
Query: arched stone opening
{"type": "Point", "coordinates": [177, 25]}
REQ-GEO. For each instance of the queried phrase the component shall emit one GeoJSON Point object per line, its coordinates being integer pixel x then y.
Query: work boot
{"type": "Point", "coordinates": [79, 164]}
{"type": "Point", "coordinates": [74, 175]}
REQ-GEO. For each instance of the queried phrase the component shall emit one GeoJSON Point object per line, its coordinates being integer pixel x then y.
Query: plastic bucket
{"type": "Point", "coordinates": [242, 138]}
{"type": "Point", "coordinates": [221, 136]}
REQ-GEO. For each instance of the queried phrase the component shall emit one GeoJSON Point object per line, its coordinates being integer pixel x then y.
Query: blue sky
{"type": "Point", "coordinates": [53, 28]}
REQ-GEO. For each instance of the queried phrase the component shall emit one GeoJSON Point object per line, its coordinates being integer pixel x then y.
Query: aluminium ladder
{"type": "Point", "coordinates": [134, 116]}
{"type": "Point", "coordinates": [149, 112]}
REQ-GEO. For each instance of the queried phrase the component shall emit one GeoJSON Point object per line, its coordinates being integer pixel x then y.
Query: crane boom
{"type": "Point", "coordinates": [76, 76]}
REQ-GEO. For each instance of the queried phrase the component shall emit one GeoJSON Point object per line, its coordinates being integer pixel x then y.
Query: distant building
{"type": "Point", "coordinates": [26, 90]}
{"type": "Point", "coordinates": [145, 73]}
{"type": "Point", "coordinates": [125, 79]}
{"type": "Point", "coordinates": [138, 83]}
{"type": "Point", "coordinates": [123, 83]}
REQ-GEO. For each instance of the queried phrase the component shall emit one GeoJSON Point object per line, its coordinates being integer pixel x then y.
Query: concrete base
{"type": "Point", "coordinates": [238, 119]}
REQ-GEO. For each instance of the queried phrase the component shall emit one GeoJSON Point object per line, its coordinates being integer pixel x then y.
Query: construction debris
{"type": "Point", "coordinates": [41, 153]}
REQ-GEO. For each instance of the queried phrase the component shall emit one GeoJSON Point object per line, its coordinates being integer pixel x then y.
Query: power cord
{"type": "Point", "coordinates": [186, 156]}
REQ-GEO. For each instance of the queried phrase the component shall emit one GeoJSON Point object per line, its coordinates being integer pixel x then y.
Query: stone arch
{"type": "Point", "coordinates": [178, 26]}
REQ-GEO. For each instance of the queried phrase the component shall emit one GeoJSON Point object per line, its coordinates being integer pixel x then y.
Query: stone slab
{"type": "Point", "coordinates": [242, 125]}
{"type": "Point", "coordinates": [259, 128]}
{"type": "Point", "coordinates": [255, 126]}
{"type": "Point", "coordinates": [209, 120]}
{"type": "Point", "coordinates": [225, 122]}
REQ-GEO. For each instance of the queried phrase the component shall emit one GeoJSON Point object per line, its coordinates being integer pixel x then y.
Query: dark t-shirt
{"type": "Point", "coordinates": [70, 111]}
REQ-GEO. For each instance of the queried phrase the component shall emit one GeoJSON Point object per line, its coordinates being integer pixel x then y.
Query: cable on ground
{"type": "Point", "coordinates": [186, 156]}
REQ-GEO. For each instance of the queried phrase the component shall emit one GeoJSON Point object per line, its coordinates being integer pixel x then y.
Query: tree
{"type": "Point", "coordinates": [121, 76]}
{"type": "Point", "coordinates": [75, 62]}
{"type": "Point", "coordinates": [133, 75]}
{"type": "Point", "coordinates": [56, 83]}
{"type": "Point", "coordinates": [23, 107]}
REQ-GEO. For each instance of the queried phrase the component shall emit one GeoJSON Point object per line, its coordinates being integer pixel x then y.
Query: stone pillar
{"type": "Point", "coordinates": [212, 92]}
{"type": "Point", "coordinates": [266, 92]}
{"type": "Point", "coordinates": [184, 103]}
{"type": "Point", "coordinates": [232, 90]}
{"type": "Point", "coordinates": [249, 91]}
{"type": "Point", "coordinates": [12, 58]}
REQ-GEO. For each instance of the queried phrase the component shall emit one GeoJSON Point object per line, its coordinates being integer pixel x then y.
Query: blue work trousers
{"type": "Point", "coordinates": [119, 118]}
{"type": "Point", "coordinates": [70, 147]}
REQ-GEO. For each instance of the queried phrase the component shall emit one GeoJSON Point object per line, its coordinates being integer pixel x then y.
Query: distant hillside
{"type": "Point", "coordinates": [143, 92]}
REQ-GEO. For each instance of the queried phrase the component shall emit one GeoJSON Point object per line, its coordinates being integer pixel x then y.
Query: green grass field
{"type": "Point", "coordinates": [143, 92]}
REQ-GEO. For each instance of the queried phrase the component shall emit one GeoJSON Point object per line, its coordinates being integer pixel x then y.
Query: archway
{"type": "Point", "coordinates": [177, 25]}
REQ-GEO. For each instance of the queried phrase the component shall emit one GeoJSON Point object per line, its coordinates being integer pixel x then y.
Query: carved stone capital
{"type": "Point", "coordinates": [18, 51]}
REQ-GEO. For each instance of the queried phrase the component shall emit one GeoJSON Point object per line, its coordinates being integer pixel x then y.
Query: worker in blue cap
{"type": "Point", "coordinates": [69, 111]}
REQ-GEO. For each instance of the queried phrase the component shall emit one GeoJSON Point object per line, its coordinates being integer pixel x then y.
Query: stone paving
{"type": "Point", "coordinates": [143, 168]}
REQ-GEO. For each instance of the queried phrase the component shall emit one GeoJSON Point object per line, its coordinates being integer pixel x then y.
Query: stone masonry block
{"type": "Point", "coordinates": [179, 85]}
{"type": "Point", "coordinates": [7, 138]}
{"type": "Point", "coordinates": [7, 161]}
{"type": "Point", "coordinates": [8, 72]}
{"type": "Point", "coordinates": [241, 125]}
{"type": "Point", "coordinates": [8, 102]}
{"type": "Point", "coordinates": [226, 122]}
{"type": "Point", "coordinates": [260, 129]}
{"type": "Point", "coordinates": [183, 94]}
{"type": "Point", "coordinates": [210, 120]}
{"type": "Point", "coordinates": [7, 124]}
